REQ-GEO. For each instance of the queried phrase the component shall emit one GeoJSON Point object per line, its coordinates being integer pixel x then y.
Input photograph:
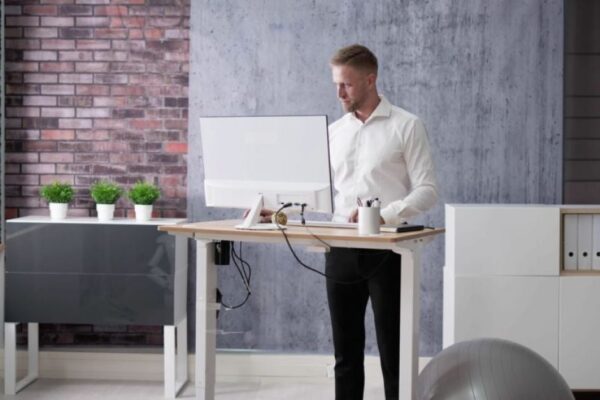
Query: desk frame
{"type": "Point", "coordinates": [408, 245]}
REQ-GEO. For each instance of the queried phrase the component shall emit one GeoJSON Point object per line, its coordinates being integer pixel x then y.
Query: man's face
{"type": "Point", "coordinates": [353, 86]}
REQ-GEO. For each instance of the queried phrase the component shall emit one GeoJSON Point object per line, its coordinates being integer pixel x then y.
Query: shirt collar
{"type": "Point", "coordinates": [383, 109]}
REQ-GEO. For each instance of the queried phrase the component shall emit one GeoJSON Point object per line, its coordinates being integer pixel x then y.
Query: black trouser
{"type": "Point", "coordinates": [347, 306]}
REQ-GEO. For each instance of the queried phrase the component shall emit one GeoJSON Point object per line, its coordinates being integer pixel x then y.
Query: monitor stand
{"type": "Point", "coordinates": [252, 220]}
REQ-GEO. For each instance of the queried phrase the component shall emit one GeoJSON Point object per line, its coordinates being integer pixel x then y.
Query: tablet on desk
{"type": "Point", "coordinates": [402, 228]}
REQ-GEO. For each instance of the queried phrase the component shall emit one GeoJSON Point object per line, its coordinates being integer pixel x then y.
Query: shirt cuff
{"type": "Point", "coordinates": [390, 217]}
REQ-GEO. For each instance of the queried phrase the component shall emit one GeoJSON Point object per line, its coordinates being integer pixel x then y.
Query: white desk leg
{"type": "Point", "coordinates": [11, 386]}
{"type": "Point", "coordinates": [10, 358]}
{"type": "Point", "coordinates": [409, 320]}
{"type": "Point", "coordinates": [206, 320]}
{"type": "Point", "coordinates": [181, 357]}
{"type": "Point", "coordinates": [169, 360]}
{"type": "Point", "coordinates": [175, 358]}
{"type": "Point", "coordinates": [33, 351]}
{"type": "Point", "coordinates": [175, 336]}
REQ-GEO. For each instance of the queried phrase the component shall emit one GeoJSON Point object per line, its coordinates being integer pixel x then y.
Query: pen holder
{"type": "Point", "coordinates": [368, 220]}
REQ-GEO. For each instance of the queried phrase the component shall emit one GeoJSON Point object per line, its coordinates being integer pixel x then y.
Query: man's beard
{"type": "Point", "coordinates": [350, 107]}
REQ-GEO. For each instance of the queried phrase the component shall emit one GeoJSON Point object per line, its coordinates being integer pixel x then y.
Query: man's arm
{"type": "Point", "coordinates": [423, 194]}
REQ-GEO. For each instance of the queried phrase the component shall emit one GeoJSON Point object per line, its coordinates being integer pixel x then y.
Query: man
{"type": "Point", "coordinates": [377, 150]}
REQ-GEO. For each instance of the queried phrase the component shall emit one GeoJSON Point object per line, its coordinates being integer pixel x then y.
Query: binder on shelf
{"type": "Point", "coordinates": [584, 241]}
{"type": "Point", "coordinates": [570, 242]}
{"type": "Point", "coordinates": [596, 243]}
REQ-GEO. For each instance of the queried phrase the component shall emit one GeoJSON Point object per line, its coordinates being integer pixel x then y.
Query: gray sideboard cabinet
{"type": "Point", "coordinates": [82, 271]}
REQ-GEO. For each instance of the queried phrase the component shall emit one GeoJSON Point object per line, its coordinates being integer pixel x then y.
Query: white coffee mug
{"type": "Point", "coordinates": [368, 220]}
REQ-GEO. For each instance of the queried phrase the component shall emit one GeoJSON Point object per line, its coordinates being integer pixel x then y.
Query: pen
{"type": "Point", "coordinates": [359, 201]}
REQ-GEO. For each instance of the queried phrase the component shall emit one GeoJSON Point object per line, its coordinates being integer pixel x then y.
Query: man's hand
{"type": "Point", "coordinates": [354, 217]}
{"type": "Point", "coordinates": [265, 214]}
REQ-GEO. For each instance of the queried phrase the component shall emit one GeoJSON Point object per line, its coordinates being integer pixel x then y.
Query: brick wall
{"type": "Point", "coordinates": [96, 89]}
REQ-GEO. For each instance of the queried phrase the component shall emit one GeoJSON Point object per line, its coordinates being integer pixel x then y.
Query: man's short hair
{"type": "Point", "coordinates": [357, 56]}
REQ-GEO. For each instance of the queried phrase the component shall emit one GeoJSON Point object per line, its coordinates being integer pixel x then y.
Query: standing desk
{"type": "Point", "coordinates": [408, 245]}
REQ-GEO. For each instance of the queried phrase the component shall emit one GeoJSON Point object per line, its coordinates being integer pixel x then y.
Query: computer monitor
{"type": "Point", "coordinates": [263, 162]}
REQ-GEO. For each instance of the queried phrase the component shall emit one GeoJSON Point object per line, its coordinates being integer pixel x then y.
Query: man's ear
{"type": "Point", "coordinates": [371, 79]}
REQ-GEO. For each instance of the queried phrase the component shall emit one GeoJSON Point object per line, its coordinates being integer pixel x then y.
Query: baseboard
{"type": "Point", "coordinates": [142, 365]}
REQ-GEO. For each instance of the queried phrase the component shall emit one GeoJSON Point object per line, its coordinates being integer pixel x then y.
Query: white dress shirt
{"type": "Point", "coordinates": [386, 157]}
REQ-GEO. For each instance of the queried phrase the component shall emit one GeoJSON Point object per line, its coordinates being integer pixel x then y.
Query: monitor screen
{"type": "Point", "coordinates": [283, 159]}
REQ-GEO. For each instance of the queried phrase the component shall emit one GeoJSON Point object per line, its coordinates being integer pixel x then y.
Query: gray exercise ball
{"type": "Point", "coordinates": [491, 369]}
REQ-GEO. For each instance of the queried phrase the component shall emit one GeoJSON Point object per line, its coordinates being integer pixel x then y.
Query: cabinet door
{"type": "Point", "coordinates": [520, 309]}
{"type": "Point", "coordinates": [503, 240]}
{"type": "Point", "coordinates": [579, 331]}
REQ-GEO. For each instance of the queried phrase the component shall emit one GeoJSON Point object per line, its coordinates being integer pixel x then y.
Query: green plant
{"type": "Point", "coordinates": [104, 192]}
{"type": "Point", "coordinates": [144, 193]}
{"type": "Point", "coordinates": [57, 192]}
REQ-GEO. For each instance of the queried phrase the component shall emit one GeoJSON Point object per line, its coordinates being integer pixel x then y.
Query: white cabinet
{"type": "Point", "coordinates": [503, 279]}
{"type": "Point", "coordinates": [483, 311]}
{"type": "Point", "coordinates": [579, 333]}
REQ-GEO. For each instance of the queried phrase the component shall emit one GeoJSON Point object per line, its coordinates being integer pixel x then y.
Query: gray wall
{"type": "Point", "coordinates": [485, 77]}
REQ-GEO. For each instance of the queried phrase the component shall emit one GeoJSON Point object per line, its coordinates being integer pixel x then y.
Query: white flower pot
{"type": "Point", "coordinates": [58, 211]}
{"type": "Point", "coordinates": [105, 211]}
{"type": "Point", "coordinates": [143, 212]}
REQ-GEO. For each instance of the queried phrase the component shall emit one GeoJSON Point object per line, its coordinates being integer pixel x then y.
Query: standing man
{"type": "Point", "coordinates": [377, 150]}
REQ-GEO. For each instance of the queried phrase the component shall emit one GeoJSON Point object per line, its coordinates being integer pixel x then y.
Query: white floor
{"type": "Point", "coordinates": [264, 389]}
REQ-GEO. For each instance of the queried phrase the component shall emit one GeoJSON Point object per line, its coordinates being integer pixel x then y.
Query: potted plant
{"type": "Point", "coordinates": [58, 196]}
{"type": "Point", "coordinates": [143, 195]}
{"type": "Point", "coordinates": [105, 194]}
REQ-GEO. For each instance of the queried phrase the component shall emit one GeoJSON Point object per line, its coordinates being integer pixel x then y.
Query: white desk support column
{"type": "Point", "coordinates": [175, 358]}
{"type": "Point", "coordinates": [206, 319]}
{"type": "Point", "coordinates": [175, 336]}
{"type": "Point", "coordinates": [11, 385]}
{"type": "Point", "coordinates": [410, 272]}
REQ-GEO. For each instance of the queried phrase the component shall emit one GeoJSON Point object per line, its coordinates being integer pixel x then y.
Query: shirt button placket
{"type": "Point", "coordinates": [357, 159]}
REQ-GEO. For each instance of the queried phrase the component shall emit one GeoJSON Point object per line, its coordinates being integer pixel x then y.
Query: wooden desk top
{"type": "Point", "coordinates": [226, 229]}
